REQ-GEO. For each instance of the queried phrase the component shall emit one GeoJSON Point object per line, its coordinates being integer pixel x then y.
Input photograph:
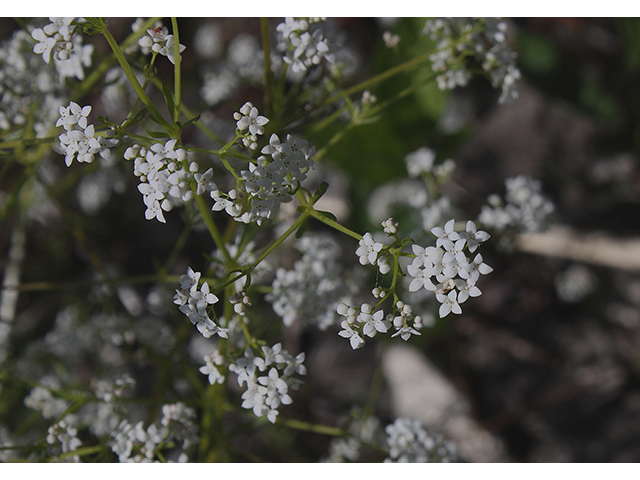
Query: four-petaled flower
{"type": "Point", "coordinates": [449, 303]}
{"type": "Point", "coordinates": [248, 117]}
{"type": "Point", "coordinates": [354, 337]}
{"type": "Point", "coordinates": [368, 249]}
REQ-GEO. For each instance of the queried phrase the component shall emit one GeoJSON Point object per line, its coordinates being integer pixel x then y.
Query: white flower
{"type": "Point", "coordinates": [71, 56]}
{"type": "Point", "coordinates": [383, 265]}
{"type": "Point", "coordinates": [189, 281]}
{"type": "Point", "coordinates": [59, 25]}
{"type": "Point", "coordinates": [248, 117]}
{"type": "Point", "coordinates": [295, 365]}
{"type": "Point", "coordinates": [203, 297]}
{"type": "Point", "coordinates": [390, 226]}
{"type": "Point", "coordinates": [45, 44]}
{"type": "Point", "coordinates": [168, 50]}
{"type": "Point", "coordinates": [80, 144]}
{"type": "Point", "coordinates": [449, 304]}
{"type": "Point", "coordinates": [368, 249]}
{"type": "Point", "coordinates": [390, 39]}
{"type": "Point", "coordinates": [210, 369]}
{"type": "Point", "coordinates": [420, 161]}
{"type": "Point", "coordinates": [65, 434]}
{"type": "Point", "coordinates": [208, 328]}
{"type": "Point", "coordinates": [426, 257]}
{"type": "Point", "coordinates": [421, 278]}
{"type": "Point", "coordinates": [354, 337]}
{"type": "Point", "coordinates": [474, 236]}
{"type": "Point", "coordinates": [72, 115]}
{"type": "Point", "coordinates": [203, 182]}
{"type": "Point", "coordinates": [474, 269]}
{"type": "Point", "coordinates": [446, 233]}
{"type": "Point", "coordinates": [154, 39]}
{"type": "Point", "coordinates": [373, 324]}
{"type": "Point", "coordinates": [466, 290]}
{"type": "Point", "coordinates": [409, 442]}
{"type": "Point", "coordinates": [405, 332]}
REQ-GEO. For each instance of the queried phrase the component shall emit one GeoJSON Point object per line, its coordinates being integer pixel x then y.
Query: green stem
{"type": "Point", "coordinates": [136, 86]}
{"type": "Point", "coordinates": [189, 114]}
{"type": "Point", "coordinates": [403, 67]}
{"type": "Point", "coordinates": [182, 239]}
{"type": "Point", "coordinates": [97, 73]}
{"type": "Point", "coordinates": [268, 251]}
{"type": "Point", "coordinates": [310, 427]}
{"type": "Point", "coordinates": [332, 141]}
{"type": "Point", "coordinates": [177, 71]}
{"type": "Point", "coordinates": [205, 212]}
{"type": "Point", "coordinates": [294, 226]}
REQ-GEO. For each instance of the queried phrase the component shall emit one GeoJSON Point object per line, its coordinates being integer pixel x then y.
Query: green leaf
{"type": "Point", "coordinates": [168, 96]}
{"type": "Point", "coordinates": [192, 120]}
{"type": "Point", "coordinates": [139, 116]}
{"type": "Point", "coordinates": [302, 228]}
{"type": "Point", "coordinates": [93, 25]}
{"type": "Point", "coordinates": [322, 189]}
{"type": "Point", "coordinates": [328, 215]}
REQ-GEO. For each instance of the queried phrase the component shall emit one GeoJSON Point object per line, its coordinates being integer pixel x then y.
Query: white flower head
{"type": "Point", "coordinates": [368, 250]}
{"type": "Point", "coordinates": [248, 117]}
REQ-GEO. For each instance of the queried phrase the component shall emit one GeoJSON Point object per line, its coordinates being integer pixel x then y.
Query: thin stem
{"type": "Point", "coordinates": [268, 251]}
{"type": "Point", "coordinates": [176, 70]}
{"type": "Point", "coordinates": [294, 226]}
{"type": "Point", "coordinates": [205, 212]}
{"type": "Point", "coordinates": [189, 114]}
{"type": "Point", "coordinates": [182, 239]}
{"type": "Point", "coordinates": [106, 64]}
{"type": "Point", "coordinates": [136, 86]}
{"type": "Point", "coordinates": [310, 427]}
{"type": "Point", "coordinates": [403, 67]}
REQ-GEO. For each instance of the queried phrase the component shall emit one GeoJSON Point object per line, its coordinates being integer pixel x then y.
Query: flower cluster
{"type": "Point", "coordinates": [485, 41]}
{"type": "Point", "coordinates": [56, 40]}
{"type": "Point", "coordinates": [420, 161]}
{"type": "Point", "coordinates": [447, 260]}
{"type": "Point", "coordinates": [366, 321]}
{"type": "Point", "coordinates": [524, 208]}
{"type": "Point", "coordinates": [137, 444]}
{"type": "Point", "coordinates": [64, 434]}
{"type": "Point", "coordinates": [269, 182]}
{"type": "Point", "coordinates": [165, 177]}
{"type": "Point", "coordinates": [264, 394]}
{"type": "Point", "coordinates": [409, 442]}
{"type": "Point", "coordinates": [194, 300]}
{"type": "Point", "coordinates": [575, 283]}
{"type": "Point", "coordinates": [362, 433]}
{"type": "Point", "coordinates": [446, 264]}
{"type": "Point", "coordinates": [27, 85]}
{"type": "Point", "coordinates": [212, 361]}
{"type": "Point", "coordinates": [304, 43]}
{"type": "Point", "coordinates": [159, 40]}
{"type": "Point", "coordinates": [79, 139]}
{"type": "Point", "coordinates": [248, 117]}
{"type": "Point", "coordinates": [368, 249]}
{"type": "Point", "coordinates": [43, 400]}
{"type": "Point", "coordinates": [315, 286]}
